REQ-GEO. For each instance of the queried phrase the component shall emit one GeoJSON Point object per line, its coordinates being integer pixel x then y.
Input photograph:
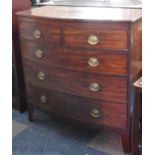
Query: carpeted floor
{"type": "Point", "coordinates": [52, 135]}
{"type": "Point", "coordinates": [17, 128]}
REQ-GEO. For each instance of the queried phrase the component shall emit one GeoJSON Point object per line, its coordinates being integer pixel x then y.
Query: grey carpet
{"type": "Point", "coordinates": [53, 135]}
{"type": "Point", "coordinates": [17, 128]}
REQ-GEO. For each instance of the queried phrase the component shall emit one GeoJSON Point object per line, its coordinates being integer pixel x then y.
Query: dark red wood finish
{"type": "Point", "coordinates": [79, 108]}
{"type": "Point", "coordinates": [64, 42]}
{"type": "Point", "coordinates": [49, 33]}
{"type": "Point", "coordinates": [109, 35]}
{"type": "Point", "coordinates": [77, 83]}
{"type": "Point", "coordinates": [77, 59]}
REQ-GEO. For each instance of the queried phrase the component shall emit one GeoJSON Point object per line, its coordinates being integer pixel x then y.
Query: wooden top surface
{"type": "Point", "coordinates": [84, 13]}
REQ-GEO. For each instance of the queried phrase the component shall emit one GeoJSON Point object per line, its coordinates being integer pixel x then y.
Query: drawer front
{"type": "Point", "coordinates": [41, 32]}
{"type": "Point", "coordinates": [96, 36]}
{"type": "Point", "coordinates": [95, 86]}
{"type": "Point", "coordinates": [76, 59]}
{"type": "Point", "coordinates": [92, 111]}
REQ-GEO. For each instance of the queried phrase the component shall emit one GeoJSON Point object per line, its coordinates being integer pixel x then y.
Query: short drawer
{"type": "Point", "coordinates": [91, 111]}
{"type": "Point", "coordinates": [41, 32]}
{"type": "Point", "coordinates": [96, 86]}
{"type": "Point", "coordinates": [111, 36]}
{"type": "Point", "coordinates": [77, 59]}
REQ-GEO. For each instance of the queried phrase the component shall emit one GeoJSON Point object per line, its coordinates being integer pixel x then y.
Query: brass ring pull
{"type": "Point", "coordinates": [41, 75]}
{"type": "Point", "coordinates": [94, 87]}
{"type": "Point", "coordinates": [93, 40]}
{"type": "Point", "coordinates": [43, 98]}
{"type": "Point", "coordinates": [93, 62]}
{"type": "Point", "coordinates": [95, 113]}
{"type": "Point", "coordinates": [37, 34]}
{"type": "Point", "coordinates": [39, 53]}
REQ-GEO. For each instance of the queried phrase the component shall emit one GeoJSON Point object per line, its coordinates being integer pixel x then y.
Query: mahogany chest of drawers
{"type": "Point", "coordinates": [80, 63]}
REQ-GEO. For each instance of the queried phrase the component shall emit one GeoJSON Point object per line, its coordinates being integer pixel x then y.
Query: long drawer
{"type": "Point", "coordinates": [76, 59]}
{"type": "Point", "coordinates": [92, 111]}
{"type": "Point", "coordinates": [96, 86]}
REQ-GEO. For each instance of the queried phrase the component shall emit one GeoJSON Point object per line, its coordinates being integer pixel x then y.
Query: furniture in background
{"type": "Point", "coordinates": [136, 129]}
{"type": "Point", "coordinates": [80, 63]}
{"type": "Point", "coordinates": [18, 92]}
{"type": "Point", "coordinates": [137, 119]}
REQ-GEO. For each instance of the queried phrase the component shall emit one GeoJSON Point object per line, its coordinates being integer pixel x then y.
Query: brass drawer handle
{"type": "Point", "coordinates": [93, 62]}
{"type": "Point", "coordinates": [41, 75]}
{"type": "Point", "coordinates": [94, 87]}
{"type": "Point", "coordinates": [43, 99]}
{"type": "Point", "coordinates": [37, 34]}
{"type": "Point", "coordinates": [39, 53]}
{"type": "Point", "coordinates": [93, 40]}
{"type": "Point", "coordinates": [95, 113]}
